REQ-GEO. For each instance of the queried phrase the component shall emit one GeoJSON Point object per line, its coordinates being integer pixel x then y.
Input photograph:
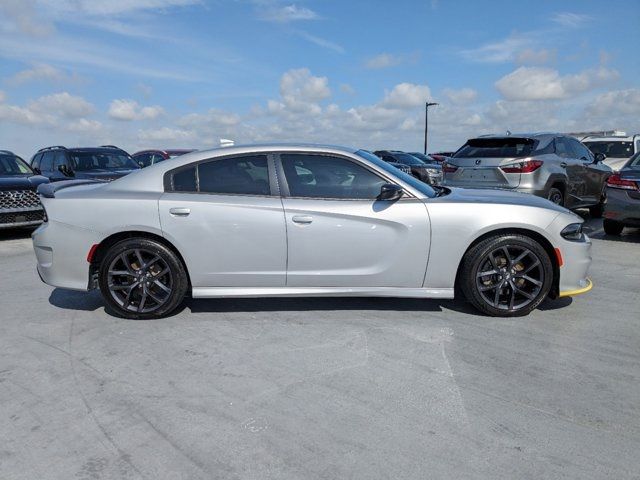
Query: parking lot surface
{"type": "Point", "coordinates": [321, 388]}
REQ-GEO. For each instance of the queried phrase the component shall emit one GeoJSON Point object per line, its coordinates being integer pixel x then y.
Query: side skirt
{"type": "Point", "coordinates": [222, 292]}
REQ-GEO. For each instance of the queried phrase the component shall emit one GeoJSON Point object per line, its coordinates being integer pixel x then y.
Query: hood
{"type": "Point", "coordinates": [105, 175]}
{"type": "Point", "coordinates": [21, 182]}
{"type": "Point", "coordinates": [497, 196]}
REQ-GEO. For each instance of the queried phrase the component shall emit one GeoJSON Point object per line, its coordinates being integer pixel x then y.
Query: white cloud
{"type": "Point", "coordinates": [530, 56]}
{"type": "Point", "coordinates": [537, 83]}
{"type": "Point", "coordinates": [407, 95]}
{"type": "Point", "coordinates": [165, 134]}
{"type": "Point", "coordinates": [620, 102]}
{"type": "Point", "coordinates": [571, 20]}
{"type": "Point", "coordinates": [127, 110]}
{"type": "Point", "coordinates": [288, 13]}
{"type": "Point", "coordinates": [498, 52]}
{"type": "Point", "coordinates": [22, 16]}
{"type": "Point", "coordinates": [321, 42]}
{"type": "Point", "coordinates": [300, 92]}
{"type": "Point", "coordinates": [462, 96]}
{"type": "Point", "coordinates": [41, 72]}
{"type": "Point", "coordinates": [384, 60]}
{"type": "Point", "coordinates": [63, 104]}
{"type": "Point", "coordinates": [114, 7]}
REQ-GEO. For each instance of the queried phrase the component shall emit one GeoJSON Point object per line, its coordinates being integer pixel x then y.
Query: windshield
{"type": "Point", "coordinates": [407, 159]}
{"type": "Point", "coordinates": [496, 148]}
{"type": "Point", "coordinates": [611, 148]}
{"type": "Point", "coordinates": [101, 160]}
{"type": "Point", "coordinates": [405, 177]}
{"type": "Point", "coordinates": [12, 165]}
{"type": "Point", "coordinates": [423, 157]}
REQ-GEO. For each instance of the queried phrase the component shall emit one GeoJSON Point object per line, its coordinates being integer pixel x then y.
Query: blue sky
{"type": "Point", "coordinates": [185, 73]}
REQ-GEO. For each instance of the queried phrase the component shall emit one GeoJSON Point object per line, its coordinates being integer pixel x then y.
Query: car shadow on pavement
{"type": "Point", "coordinates": [15, 233]}
{"type": "Point", "coordinates": [74, 300]}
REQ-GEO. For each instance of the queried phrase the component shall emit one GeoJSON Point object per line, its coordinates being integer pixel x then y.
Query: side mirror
{"type": "Point", "coordinates": [600, 157]}
{"type": "Point", "coordinates": [36, 170]}
{"type": "Point", "coordinates": [390, 192]}
{"type": "Point", "coordinates": [65, 170]}
{"type": "Point", "coordinates": [140, 163]}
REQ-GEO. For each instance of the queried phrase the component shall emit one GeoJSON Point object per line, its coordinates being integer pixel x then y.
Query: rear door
{"type": "Point", "coordinates": [576, 178]}
{"type": "Point", "coordinates": [226, 218]}
{"type": "Point", "coordinates": [595, 174]}
{"type": "Point", "coordinates": [340, 235]}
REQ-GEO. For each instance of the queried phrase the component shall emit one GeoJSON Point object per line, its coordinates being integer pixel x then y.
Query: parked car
{"type": "Point", "coordinates": [296, 220]}
{"type": "Point", "coordinates": [146, 158]}
{"type": "Point", "coordinates": [434, 165]}
{"type": "Point", "coordinates": [553, 166]}
{"type": "Point", "coordinates": [19, 203]}
{"type": "Point", "coordinates": [428, 173]}
{"type": "Point", "coordinates": [617, 149]}
{"type": "Point", "coordinates": [623, 198]}
{"type": "Point", "coordinates": [100, 163]}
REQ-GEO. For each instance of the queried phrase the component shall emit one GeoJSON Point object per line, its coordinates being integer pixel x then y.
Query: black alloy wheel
{"type": "Point", "coordinates": [142, 278]}
{"type": "Point", "coordinates": [507, 275]}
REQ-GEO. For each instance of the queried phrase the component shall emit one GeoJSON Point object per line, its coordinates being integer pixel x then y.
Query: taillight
{"type": "Point", "coordinates": [448, 168]}
{"type": "Point", "coordinates": [616, 181]}
{"type": "Point", "coordinates": [527, 166]}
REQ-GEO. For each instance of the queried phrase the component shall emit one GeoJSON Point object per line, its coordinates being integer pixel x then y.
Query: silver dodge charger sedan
{"type": "Point", "coordinates": [300, 220]}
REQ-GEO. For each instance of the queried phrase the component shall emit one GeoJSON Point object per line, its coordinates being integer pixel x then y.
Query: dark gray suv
{"type": "Point", "coordinates": [553, 166]}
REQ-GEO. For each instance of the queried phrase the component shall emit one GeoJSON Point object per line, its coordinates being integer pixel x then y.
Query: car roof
{"type": "Point", "coordinates": [535, 135]}
{"type": "Point", "coordinates": [616, 138]}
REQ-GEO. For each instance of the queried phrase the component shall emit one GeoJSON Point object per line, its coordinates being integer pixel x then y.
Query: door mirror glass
{"type": "Point", "coordinates": [390, 192]}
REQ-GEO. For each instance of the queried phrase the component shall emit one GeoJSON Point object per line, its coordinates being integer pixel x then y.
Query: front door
{"type": "Point", "coordinates": [227, 222]}
{"type": "Point", "coordinates": [340, 235]}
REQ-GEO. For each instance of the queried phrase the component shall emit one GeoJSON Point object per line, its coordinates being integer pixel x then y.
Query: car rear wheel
{"type": "Point", "coordinates": [142, 279]}
{"type": "Point", "coordinates": [611, 227]}
{"type": "Point", "coordinates": [556, 196]}
{"type": "Point", "coordinates": [506, 275]}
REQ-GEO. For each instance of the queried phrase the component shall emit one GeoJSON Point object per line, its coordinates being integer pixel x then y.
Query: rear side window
{"type": "Point", "coordinates": [323, 176]}
{"type": "Point", "coordinates": [247, 175]}
{"type": "Point", "coordinates": [496, 148]}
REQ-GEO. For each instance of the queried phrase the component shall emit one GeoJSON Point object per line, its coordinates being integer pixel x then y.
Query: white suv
{"type": "Point", "coordinates": [617, 148]}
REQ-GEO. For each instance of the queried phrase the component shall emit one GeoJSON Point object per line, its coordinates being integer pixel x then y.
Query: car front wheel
{"type": "Point", "coordinates": [506, 275]}
{"type": "Point", "coordinates": [142, 279]}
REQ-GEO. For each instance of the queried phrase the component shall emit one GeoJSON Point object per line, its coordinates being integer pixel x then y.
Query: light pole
{"type": "Point", "coordinates": [426, 122]}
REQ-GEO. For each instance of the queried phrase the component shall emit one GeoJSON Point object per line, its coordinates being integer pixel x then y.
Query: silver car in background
{"type": "Point", "coordinates": [300, 220]}
{"type": "Point", "coordinates": [552, 166]}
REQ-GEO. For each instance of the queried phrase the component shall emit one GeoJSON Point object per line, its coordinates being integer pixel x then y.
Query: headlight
{"type": "Point", "coordinates": [433, 171]}
{"type": "Point", "coordinates": [573, 232]}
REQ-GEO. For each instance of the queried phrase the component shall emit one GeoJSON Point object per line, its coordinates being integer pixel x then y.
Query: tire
{"type": "Point", "coordinates": [556, 196]}
{"type": "Point", "coordinates": [611, 227]}
{"type": "Point", "coordinates": [505, 280]}
{"type": "Point", "coordinates": [141, 278]}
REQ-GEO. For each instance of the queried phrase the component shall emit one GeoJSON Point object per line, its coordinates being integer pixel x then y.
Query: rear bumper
{"type": "Point", "coordinates": [621, 207]}
{"type": "Point", "coordinates": [61, 253]}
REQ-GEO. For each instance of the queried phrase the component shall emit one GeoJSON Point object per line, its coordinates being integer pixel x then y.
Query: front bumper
{"type": "Point", "coordinates": [578, 291]}
{"type": "Point", "coordinates": [574, 272]}
{"type": "Point", "coordinates": [20, 217]}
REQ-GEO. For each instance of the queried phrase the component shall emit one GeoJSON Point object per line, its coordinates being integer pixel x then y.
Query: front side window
{"type": "Point", "coordinates": [46, 164]}
{"type": "Point", "coordinates": [246, 175]}
{"type": "Point", "coordinates": [59, 159]}
{"type": "Point", "coordinates": [35, 163]}
{"type": "Point", "coordinates": [562, 148]}
{"type": "Point", "coordinates": [144, 159]}
{"type": "Point", "coordinates": [324, 176]}
{"type": "Point", "coordinates": [12, 165]}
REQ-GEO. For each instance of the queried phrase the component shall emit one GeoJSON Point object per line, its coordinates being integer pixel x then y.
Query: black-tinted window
{"type": "Point", "coordinates": [35, 163]}
{"type": "Point", "coordinates": [144, 159]}
{"type": "Point", "coordinates": [156, 158]}
{"type": "Point", "coordinates": [185, 180]}
{"type": "Point", "coordinates": [612, 148]}
{"type": "Point", "coordinates": [12, 165]}
{"type": "Point", "coordinates": [237, 175]}
{"type": "Point", "coordinates": [46, 164]}
{"type": "Point", "coordinates": [496, 148]}
{"type": "Point", "coordinates": [322, 176]}
{"type": "Point", "coordinates": [563, 149]}
{"type": "Point", "coordinates": [59, 159]}
{"type": "Point", "coordinates": [101, 159]}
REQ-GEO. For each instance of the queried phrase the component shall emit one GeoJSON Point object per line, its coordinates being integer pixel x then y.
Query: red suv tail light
{"type": "Point", "coordinates": [448, 168]}
{"type": "Point", "coordinates": [616, 181]}
{"type": "Point", "coordinates": [527, 166]}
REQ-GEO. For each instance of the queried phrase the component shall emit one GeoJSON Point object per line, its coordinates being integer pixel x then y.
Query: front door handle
{"type": "Point", "coordinates": [303, 219]}
{"type": "Point", "coordinates": [180, 212]}
{"type": "Point", "coordinates": [563, 164]}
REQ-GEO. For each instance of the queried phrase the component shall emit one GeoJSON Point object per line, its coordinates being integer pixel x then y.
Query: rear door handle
{"type": "Point", "coordinates": [180, 212]}
{"type": "Point", "coordinates": [303, 219]}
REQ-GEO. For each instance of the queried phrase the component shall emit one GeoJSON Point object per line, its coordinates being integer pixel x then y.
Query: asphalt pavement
{"type": "Point", "coordinates": [321, 388]}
